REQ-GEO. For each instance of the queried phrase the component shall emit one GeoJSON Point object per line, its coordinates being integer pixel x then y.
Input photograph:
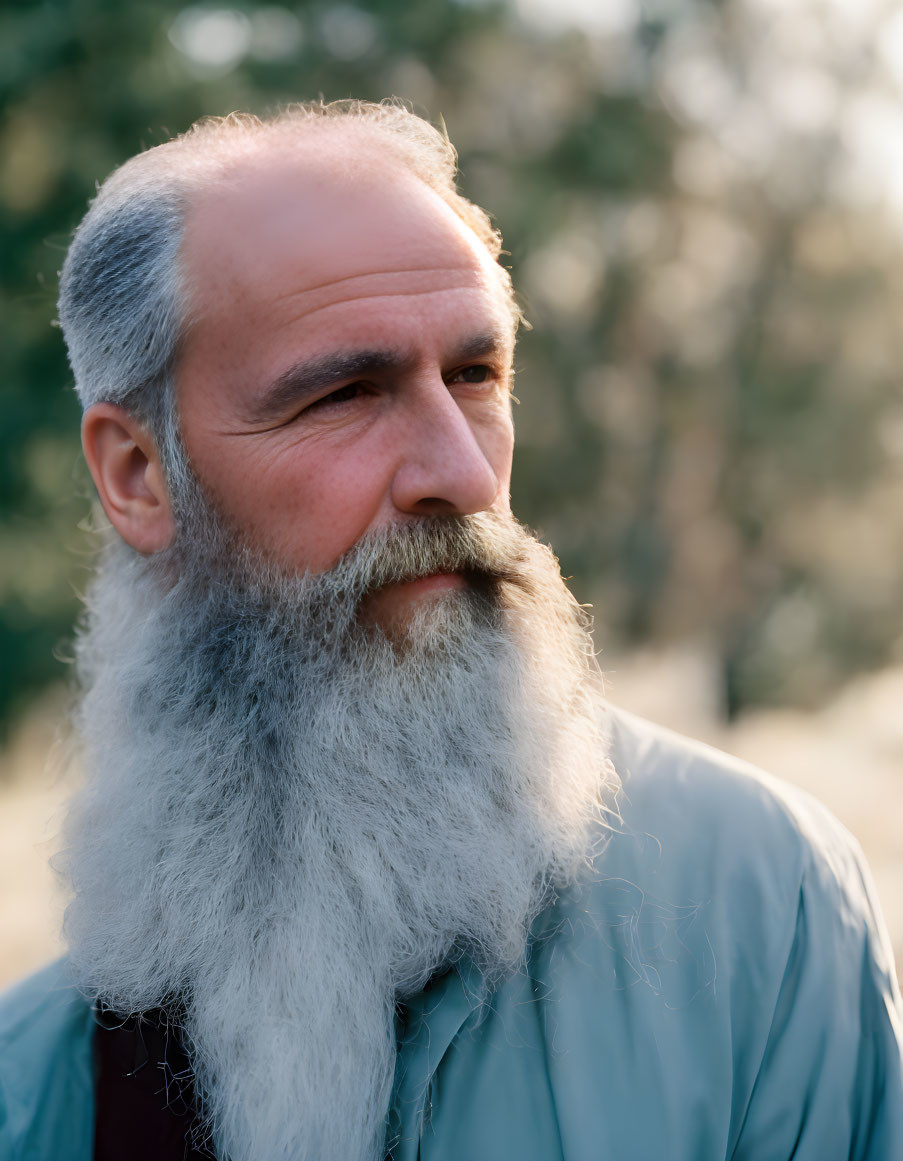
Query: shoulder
{"type": "Point", "coordinates": [711, 812]}
{"type": "Point", "coordinates": [715, 864]}
{"type": "Point", "coordinates": [46, 1084]}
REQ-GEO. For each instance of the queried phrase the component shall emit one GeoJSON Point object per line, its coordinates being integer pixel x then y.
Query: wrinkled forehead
{"type": "Point", "coordinates": [276, 225]}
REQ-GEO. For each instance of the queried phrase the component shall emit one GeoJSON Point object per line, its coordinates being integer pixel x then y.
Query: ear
{"type": "Point", "coordinates": [125, 466]}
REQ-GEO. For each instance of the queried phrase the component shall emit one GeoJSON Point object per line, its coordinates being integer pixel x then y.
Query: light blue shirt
{"type": "Point", "coordinates": [720, 986]}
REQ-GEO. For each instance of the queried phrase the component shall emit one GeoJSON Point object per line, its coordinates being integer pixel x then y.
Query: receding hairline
{"type": "Point", "coordinates": [219, 148]}
{"type": "Point", "coordinates": [342, 156]}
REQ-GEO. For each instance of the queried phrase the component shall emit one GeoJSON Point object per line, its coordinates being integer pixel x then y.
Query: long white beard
{"type": "Point", "coordinates": [291, 821]}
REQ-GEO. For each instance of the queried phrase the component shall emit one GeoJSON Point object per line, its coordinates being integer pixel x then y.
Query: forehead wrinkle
{"type": "Point", "coordinates": [361, 275]}
{"type": "Point", "coordinates": [339, 303]}
{"type": "Point", "coordinates": [497, 308]}
{"type": "Point", "coordinates": [385, 285]}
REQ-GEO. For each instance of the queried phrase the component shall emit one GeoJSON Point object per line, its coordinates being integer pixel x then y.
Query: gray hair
{"type": "Point", "coordinates": [123, 305]}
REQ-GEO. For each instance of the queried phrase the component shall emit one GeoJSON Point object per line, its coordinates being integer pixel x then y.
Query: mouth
{"type": "Point", "coordinates": [436, 582]}
{"type": "Point", "coordinates": [394, 602]}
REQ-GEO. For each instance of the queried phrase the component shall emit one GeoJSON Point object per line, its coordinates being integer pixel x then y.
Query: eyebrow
{"type": "Point", "coordinates": [308, 378]}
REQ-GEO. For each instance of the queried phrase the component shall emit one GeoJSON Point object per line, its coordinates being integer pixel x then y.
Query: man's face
{"type": "Point", "coordinates": [349, 363]}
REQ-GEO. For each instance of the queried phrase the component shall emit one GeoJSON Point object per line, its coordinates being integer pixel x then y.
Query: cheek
{"type": "Point", "coordinates": [307, 505]}
{"type": "Point", "coordinates": [498, 445]}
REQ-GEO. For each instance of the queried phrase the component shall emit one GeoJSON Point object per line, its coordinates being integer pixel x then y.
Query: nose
{"type": "Point", "coordinates": [453, 463]}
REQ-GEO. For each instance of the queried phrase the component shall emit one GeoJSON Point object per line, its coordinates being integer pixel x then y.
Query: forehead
{"type": "Point", "coordinates": [297, 247]}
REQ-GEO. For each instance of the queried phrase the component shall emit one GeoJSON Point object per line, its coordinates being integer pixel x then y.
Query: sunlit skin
{"type": "Point", "coordinates": [349, 364]}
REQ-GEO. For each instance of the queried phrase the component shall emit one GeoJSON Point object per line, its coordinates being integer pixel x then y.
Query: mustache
{"type": "Point", "coordinates": [484, 547]}
{"type": "Point", "coordinates": [488, 548]}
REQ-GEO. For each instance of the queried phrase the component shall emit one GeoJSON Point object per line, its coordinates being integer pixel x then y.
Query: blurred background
{"type": "Point", "coordinates": [702, 202]}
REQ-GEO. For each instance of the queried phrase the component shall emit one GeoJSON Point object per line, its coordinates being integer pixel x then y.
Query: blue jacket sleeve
{"type": "Point", "coordinates": [46, 1070]}
{"type": "Point", "coordinates": [830, 1082]}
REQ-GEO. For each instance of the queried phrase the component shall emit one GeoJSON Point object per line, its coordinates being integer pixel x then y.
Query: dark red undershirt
{"type": "Point", "coordinates": [144, 1092]}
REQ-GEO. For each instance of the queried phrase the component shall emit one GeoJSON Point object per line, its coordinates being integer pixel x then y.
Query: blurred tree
{"type": "Point", "coordinates": [711, 431]}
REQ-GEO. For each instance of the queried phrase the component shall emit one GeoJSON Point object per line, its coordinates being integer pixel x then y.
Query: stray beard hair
{"type": "Point", "coordinates": [292, 819]}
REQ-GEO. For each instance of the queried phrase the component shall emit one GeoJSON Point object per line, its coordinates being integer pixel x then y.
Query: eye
{"type": "Point", "coordinates": [341, 395]}
{"type": "Point", "coordinates": [478, 373]}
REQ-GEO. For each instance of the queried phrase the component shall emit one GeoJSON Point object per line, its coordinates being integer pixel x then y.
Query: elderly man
{"type": "Point", "coordinates": [364, 867]}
